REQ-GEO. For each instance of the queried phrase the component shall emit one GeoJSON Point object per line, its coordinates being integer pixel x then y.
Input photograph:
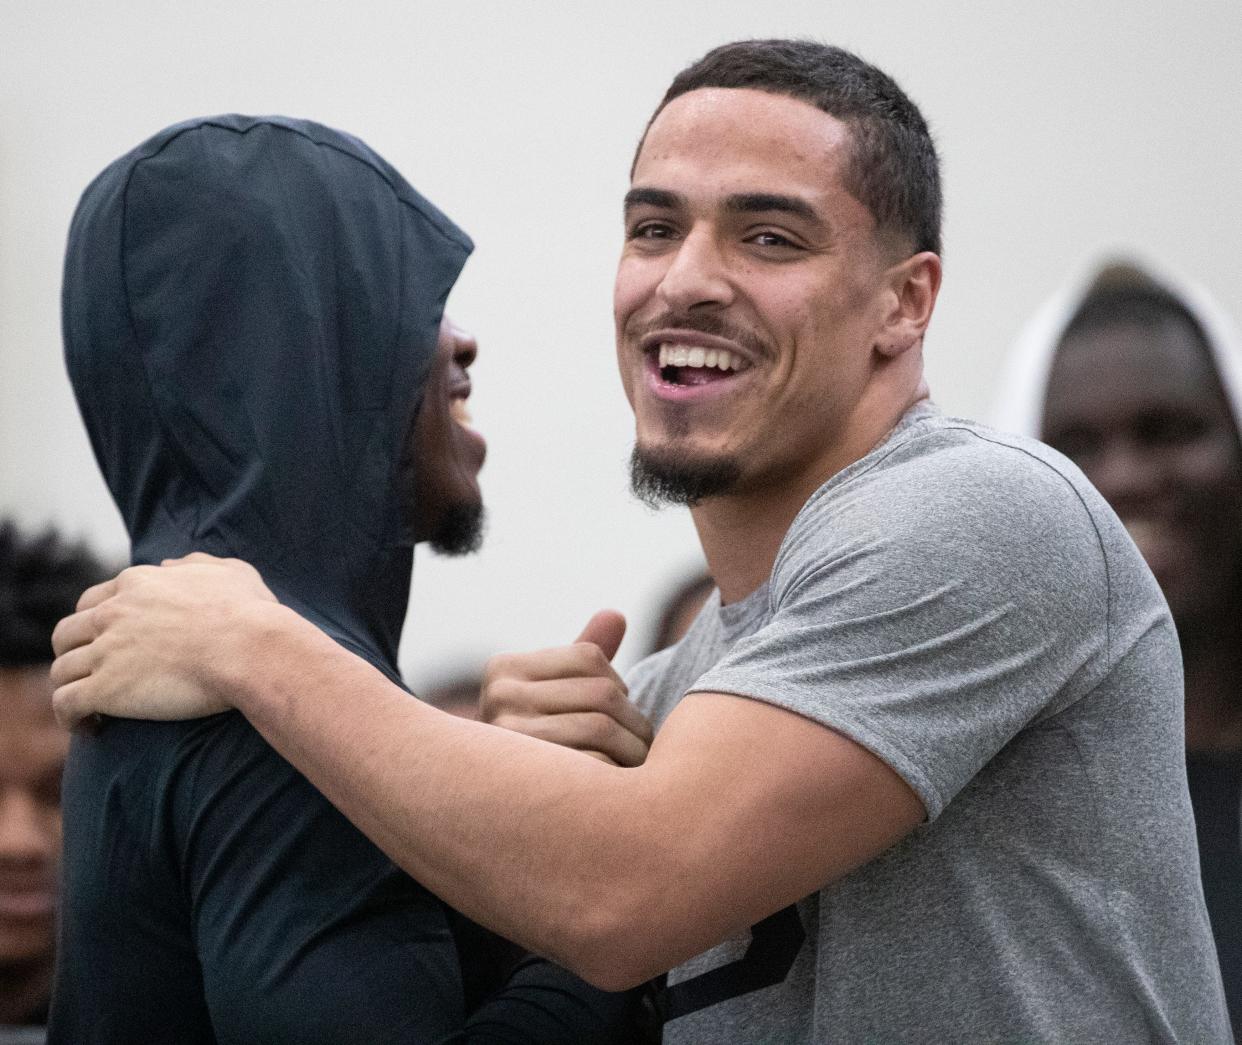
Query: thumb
{"type": "Point", "coordinates": [606, 629]}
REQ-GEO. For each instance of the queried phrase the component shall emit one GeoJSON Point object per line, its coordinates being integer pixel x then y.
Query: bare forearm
{"type": "Point", "coordinates": [541, 844]}
{"type": "Point", "coordinates": [739, 808]}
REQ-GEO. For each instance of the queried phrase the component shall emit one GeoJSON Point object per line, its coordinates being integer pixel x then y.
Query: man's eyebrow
{"type": "Point", "coordinates": [661, 198]}
{"type": "Point", "coordinates": [760, 202]}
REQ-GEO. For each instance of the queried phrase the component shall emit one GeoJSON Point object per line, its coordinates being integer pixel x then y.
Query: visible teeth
{"type": "Point", "coordinates": [718, 358]}
{"type": "Point", "coordinates": [459, 411]}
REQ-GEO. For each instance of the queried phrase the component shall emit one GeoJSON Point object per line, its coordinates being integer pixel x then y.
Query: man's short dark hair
{"type": "Point", "coordinates": [893, 169]}
{"type": "Point", "coordinates": [40, 581]}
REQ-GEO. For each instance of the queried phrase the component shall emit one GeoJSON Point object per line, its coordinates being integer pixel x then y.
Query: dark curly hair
{"type": "Point", "coordinates": [41, 578]}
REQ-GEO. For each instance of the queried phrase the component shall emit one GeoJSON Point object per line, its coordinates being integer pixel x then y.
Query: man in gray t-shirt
{"type": "Point", "coordinates": [965, 606]}
{"type": "Point", "coordinates": [938, 695]}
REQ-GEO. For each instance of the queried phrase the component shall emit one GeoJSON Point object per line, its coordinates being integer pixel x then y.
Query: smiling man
{"type": "Point", "coordinates": [891, 797]}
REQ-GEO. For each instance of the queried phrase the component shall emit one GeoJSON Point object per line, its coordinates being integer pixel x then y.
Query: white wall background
{"type": "Point", "coordinates": [1066, 129]}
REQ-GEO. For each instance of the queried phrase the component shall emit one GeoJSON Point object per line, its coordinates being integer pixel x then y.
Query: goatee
{"type": "Point", "coordinates": [665, 477]}
{"type": "Point", "coordinates": [460, 530]}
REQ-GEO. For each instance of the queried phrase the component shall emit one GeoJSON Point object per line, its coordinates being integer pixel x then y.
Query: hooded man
{"type": "Point", "coordinates": [253, 322]}
{"type": "Point", "coordinates": [1136, 376]}
{"type": "Point", "coordinates": [888, 797]}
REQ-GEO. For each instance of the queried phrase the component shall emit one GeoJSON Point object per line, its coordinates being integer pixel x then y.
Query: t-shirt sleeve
{"type": "Point", "coordinates": [932, 610]}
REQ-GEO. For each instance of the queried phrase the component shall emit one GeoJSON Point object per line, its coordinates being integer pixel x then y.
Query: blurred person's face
{"type": "Point", "coordinates": [1141, 410]}
{"type": "Point", "coordinates": [748, 295]}
{"type": "Point", "coordinates": [32, 755]}
{"type": "Point", "coordinates": [446, 454]}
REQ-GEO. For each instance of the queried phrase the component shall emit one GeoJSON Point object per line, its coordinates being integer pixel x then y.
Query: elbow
{"type": "Point", "coordinates": [615, 949]}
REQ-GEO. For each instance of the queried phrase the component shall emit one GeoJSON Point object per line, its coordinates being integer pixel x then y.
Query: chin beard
{"type": "Point", "coordinates": [667, 477]}
{"type": "Point", "coordinates": [460, 530]}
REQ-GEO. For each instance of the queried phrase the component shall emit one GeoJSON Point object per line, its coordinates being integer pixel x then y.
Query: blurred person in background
{"type": "Point", "coordinates": [40, 579]}
{"type": "Point", "coordinates": [1136, 376]}
{"type": "Point", "coordinates": [680, 608]}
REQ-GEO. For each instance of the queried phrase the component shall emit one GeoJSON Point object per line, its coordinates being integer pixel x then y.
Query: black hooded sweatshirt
{"type": "Point", "coordinates": [251, 308]}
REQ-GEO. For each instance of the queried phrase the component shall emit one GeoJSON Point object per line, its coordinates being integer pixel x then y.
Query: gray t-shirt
{"type": "Point", "coordinates": [964, 605]}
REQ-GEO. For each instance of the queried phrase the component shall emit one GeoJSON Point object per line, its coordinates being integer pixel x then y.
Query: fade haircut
{"type": "Point", "coordinates": [40, 581]}
{"type": "Point", "coordinates": [892, 168]}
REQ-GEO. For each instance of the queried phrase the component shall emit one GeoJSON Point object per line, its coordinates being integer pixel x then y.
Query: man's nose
{"type": "Point", "coordinates": [697, 276]}
{"type": "Point", "coordinates": [465, 347]}
{"type": "Point", "coordinates": [25, 834]}
{"type": "Point", "coordinates": [1126, 473]}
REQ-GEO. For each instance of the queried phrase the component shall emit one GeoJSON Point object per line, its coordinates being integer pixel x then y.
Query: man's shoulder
{"type": "Point", "coordinates": [945, 456]}
{"type": "Point", "coordinates": [947, 502]}
{"type": "Point", "coordinates": [948, 478]}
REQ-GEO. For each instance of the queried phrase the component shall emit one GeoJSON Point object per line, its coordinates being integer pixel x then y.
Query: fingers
{"type": "Point", "coordinates": [581, 660]}
{"type": "Point", "coordinates": [70, 704]}
{"type": "Point", "coordinates": [606, 630]}
{"type": "Point", "coordinates": [511, 698]}
{"type": "Point", "coordinates": [589, 731]}
{"type": "Point", "coordinates": [75, 630]}
{"type": "Point", "coordinates": [76, 663]}
{"type": "Point", "coordinates": [518, 705]}
{"type": "Point", "coordinates": [98, 593]}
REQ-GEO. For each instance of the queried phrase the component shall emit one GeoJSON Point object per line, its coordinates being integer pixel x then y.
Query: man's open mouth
{"type": "Point", "coordinates": [695, 365]}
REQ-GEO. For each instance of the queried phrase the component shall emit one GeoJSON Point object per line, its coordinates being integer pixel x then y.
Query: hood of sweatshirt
{"type": "Point", "coordinates": [251, 308]}
{"type": "Point", "coordinates": [1019, 404]}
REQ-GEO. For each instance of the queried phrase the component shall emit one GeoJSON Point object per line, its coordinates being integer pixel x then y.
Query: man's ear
{"type": "Point", "coordinates": [913, 285]}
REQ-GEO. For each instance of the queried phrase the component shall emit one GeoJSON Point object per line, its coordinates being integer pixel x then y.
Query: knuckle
{"type": "Point", "coordinates": [602, 695]}
{"type": "Point", "coordinates": [103, 616]}
{"type": "Point", "coordinates": [611, 698]}
{"type": "Point", "coordinates": [593, 658]}
{"type": "Point", "coordinates": [132, 575]}
{"type": "Point", "coordinates": [501, 693]}
{"type": "Point", "coordinates": [503, 721]}
{"type": "Point", "coordinates": [598, 729]}
{"type": "Point", "coordinates": [497, 667]}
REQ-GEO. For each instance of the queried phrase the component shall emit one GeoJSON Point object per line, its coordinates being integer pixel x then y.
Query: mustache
{"type": "Point", "coordinates": [704, 323]}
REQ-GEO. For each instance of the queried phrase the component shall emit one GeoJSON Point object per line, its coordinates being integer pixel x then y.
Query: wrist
{"type": "Point", "coordinates": [262, 653]}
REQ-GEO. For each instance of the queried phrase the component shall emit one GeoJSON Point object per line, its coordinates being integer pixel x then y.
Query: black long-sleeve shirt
{"type": "Point", "coordinates": [216, 897]}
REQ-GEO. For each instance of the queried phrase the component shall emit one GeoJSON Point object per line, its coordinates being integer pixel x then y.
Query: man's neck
{"type": "Point", "coordinates": [740, 538]}
{"type": "Point", "coordinates": [741, 533]}
{"type": "Point", "coordinates": [24, 990]}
